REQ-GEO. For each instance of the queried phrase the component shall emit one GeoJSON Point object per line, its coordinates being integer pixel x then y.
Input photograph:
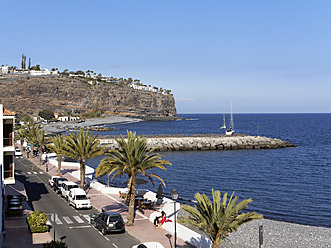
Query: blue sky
{"type": "Point", "coordinates": [265, 56]}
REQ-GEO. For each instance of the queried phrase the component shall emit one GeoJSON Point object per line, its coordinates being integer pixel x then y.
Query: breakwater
{"type": "Point", "coordinates": [205, 142]}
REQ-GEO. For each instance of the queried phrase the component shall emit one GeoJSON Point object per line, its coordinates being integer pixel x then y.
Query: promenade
{"type": "Point", "coordinates": [276, 233]}
{"type": "Point", "coordinates": [18, 234]}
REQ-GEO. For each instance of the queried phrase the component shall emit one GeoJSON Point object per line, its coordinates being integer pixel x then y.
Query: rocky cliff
{"type": "Point", "coordinates": [66, 95]}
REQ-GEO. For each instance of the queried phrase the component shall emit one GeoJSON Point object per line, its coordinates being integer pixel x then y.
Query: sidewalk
{"type": "Point", "coordinates": [142, 229]}
{"type": "Point", "coordinates": [18, 234]}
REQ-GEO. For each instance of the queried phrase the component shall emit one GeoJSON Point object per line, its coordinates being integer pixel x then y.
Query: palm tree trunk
{"type": "Point", "coordinates": [217, 243]}
{"type": "Point", "coordinates": [59, 160]}
{"type": "Point", "coordinates": [82, 174]}
{"type": "Point", "coordinates": [22, 150]}
{"type": "Point", "coordinates": [132, 200]}
{"type": "Point", "coordinates": [40, 153]}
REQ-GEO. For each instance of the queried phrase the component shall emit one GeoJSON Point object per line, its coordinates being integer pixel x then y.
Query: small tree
{"type": "Point", "coordinates": [82, 146]}
{"type": "Point", "coordinates": [55, 244]}
{"type": "Point", "coordinates": [135, 159]}
{"type": "Point", "coordinates": [46, 114]}
{"type": "Point", "coordinates": [217, 218]}
{"type": "Point", "coordinates": [57, 147]}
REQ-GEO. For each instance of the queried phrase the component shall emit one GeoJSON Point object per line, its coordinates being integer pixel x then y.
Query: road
{"type": "Point", "coordinates": [72, 225]}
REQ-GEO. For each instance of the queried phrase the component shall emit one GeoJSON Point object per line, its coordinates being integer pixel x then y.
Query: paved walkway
{"type": "Point", "coordinates": [142, 229]}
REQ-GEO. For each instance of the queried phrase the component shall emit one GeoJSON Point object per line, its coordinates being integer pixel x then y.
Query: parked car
{"type": "Point", "coordinates": [58, 183]}
{"type": "Point", "coordinates": [108, 222]}
{"type": "Point", "coordinates": [51, 180]}
{"type": "Point", "coordinates": [18, 152]}
{"type": "Point", "coordinates": [149, 245]}
{"type": "Point", "coordinates": [66, 186]}
{"type": "Point", "coordinates": [78, 199]}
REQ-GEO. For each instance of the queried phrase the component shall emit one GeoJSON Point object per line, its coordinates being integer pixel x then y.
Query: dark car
{"type": "Point", "coordinates": [57, 183]}
{"type": "Point", "coordinates": [108, 222]}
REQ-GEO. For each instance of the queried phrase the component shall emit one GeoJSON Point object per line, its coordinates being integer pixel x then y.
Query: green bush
{"type": "Point", "coordinates": [37, 222]}
{"type": "Point", "coordinates": [46, 114]}
{"type": "Point", "coordinates": [55, 244]}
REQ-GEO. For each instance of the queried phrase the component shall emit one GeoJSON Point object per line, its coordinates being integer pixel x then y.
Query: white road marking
{"type": "Point", "coordinates": [29, 172]}
{"type": "Point", "coordinates": [58, 222]}
{"type": "Point", "coordinates": [77, 227]}
{"type": "Point", "coordinates": [115, 245]}
{"type": "Point", "coordinates": [86, 216]}
{"type": "Point", "coordinates": [107, 238]}
{"type": "Point", "coordinates": [67, 219]}
{"type": "Point", "coordinates": [40, 172]}
{"type": "Point", "coordinates": [48, 223]}
{"type": "Point", "coordinates": [35, 172]}
{"type": "Point", "coordinates": [78, 219]}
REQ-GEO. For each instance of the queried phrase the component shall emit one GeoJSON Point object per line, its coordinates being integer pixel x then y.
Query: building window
{"type": "Point", "coordinates": [8, 134]}
{"type": "Point", "coordinates": [8, 168]}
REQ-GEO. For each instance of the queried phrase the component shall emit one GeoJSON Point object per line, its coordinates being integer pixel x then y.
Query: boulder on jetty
{"type": "Point", "coordinates": [207, 142]}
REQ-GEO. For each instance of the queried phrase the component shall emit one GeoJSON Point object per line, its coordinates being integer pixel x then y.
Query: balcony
{"type": "Point", "coordinates": [8, 142]}
{"type": "Point", "coordinates": [8, 135]}
{"type": "Point", "coordinates": [8, 169]}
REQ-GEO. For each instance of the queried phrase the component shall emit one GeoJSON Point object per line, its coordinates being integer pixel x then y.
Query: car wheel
{"type": "Point", "coordinates": [119, 225]}
{"type": "Point", "coordinates": [103, 231]}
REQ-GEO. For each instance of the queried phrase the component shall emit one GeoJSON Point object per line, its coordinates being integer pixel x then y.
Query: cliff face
{"type": "Point", "coordinates": [66, 95]}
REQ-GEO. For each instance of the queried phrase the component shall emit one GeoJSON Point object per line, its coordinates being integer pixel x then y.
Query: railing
{"type": "Point", "coordinates": [8, 142]}
{"type": "Point", "coordinates": [8, 174]}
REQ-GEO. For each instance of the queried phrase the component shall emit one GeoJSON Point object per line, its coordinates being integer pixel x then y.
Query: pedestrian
{"type": "Point", "coordinates": [163, 219]}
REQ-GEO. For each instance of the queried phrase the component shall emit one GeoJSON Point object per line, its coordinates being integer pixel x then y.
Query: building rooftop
{"type": "Point", "coordinates": [7, 112]}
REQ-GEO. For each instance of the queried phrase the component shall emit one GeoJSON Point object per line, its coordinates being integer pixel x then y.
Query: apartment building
{"type": "Point", "coordinates": [7, 151]}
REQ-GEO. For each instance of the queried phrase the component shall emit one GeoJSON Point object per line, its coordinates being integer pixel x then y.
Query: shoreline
{"type": "Point", "coordinates": [60, 127]}
{"type": "Point", "coordinates": [276, 234]}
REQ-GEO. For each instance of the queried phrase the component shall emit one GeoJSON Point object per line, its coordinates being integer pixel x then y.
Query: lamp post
{"type": "Point", "coordinates": [174, 196]}
{"type": "Point", "coordinates": [46, 162]}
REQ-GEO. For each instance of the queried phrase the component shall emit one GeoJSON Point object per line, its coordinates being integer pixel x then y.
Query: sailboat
{"type": "Point", "coordinates": [230, 131]}
{"type": "Point", "coordinates": [224, 126]}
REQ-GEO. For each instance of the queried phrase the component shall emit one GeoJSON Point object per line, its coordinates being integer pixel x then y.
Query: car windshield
{"type": "Point", "coordinates": [114, 218]}
{"type": "Point", "coordinates": [72, 186]}
{"type": "Point", "coordinates": [81, 197]}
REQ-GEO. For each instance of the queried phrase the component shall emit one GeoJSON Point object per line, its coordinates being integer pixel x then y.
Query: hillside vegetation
{"type": "Point", "coordinates": [29, 95]}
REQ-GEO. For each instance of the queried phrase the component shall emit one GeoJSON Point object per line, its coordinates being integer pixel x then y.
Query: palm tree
{"type": "Point", "coordinates": [219, 218]}
{"type": "Point", "coordinates": [82, 146]}
{"type": "Point", "coordinates": [20, 135]}
{"type": "Point", "coordinates": [57, 147]}
{"type": "Point", "coordinates": [134, 159]}
{"type": "Point", "coordinates": [31, 133]}
{"type": "Point", "coordinates": [40, 140]}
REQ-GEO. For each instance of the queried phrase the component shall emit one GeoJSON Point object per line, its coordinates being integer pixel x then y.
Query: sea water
{"type": "Point", "coordinates": [291, 184]}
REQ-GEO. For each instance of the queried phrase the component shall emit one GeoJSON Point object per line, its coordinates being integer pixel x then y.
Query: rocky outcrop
{"type": "Point", "coordinates": [206, 143]}
{"type": "Point", "coordinates": [66, 95]}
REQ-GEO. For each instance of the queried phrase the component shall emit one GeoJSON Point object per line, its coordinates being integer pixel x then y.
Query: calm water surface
{"type": "Point", "coordinates": [290, 184]}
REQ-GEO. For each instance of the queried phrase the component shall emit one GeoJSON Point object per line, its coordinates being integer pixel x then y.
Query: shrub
{"type": "Point", "coordinates": [37, 222]}
{"type": "Point", "coordinates": [46, 114]}
{"type": "Point", "coordinates": [55, 244]}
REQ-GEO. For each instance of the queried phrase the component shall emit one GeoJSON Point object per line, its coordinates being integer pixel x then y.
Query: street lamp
{"type": "Point", "coordinates": [174, 196]}
{"type": "Point", "coordinates": [46, 163]}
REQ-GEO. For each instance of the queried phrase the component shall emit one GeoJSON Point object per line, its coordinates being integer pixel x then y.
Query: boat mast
{"type": "Point", "coordinates": [232, 126]}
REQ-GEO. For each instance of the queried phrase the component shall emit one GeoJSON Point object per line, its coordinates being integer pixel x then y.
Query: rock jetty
{"type": "Point", "coordinates": [213, 142]}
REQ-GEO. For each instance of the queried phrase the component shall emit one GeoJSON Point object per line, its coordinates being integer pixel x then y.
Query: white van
{"type": "Point", "coordinates": [78, 199]}
{"type": "Point", "coordinates": [66, 186]}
